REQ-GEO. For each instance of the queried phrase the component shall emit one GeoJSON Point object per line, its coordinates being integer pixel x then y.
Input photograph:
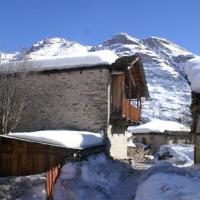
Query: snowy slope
{"type": "Point", "coordinates": [163, 64]}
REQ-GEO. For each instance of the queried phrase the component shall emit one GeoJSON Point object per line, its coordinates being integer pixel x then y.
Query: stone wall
{"type": "Point", "coordinates": [195, 109]}
{"type": "Point", "coordinates": [117, 139]}
{"type": "Point", "coordinates": [76, 99]}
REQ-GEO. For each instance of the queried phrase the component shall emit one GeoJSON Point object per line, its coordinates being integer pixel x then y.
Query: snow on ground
{"type": "Point", "coordinates": [181, 155]}
{"type": "Point", "coordinates": [104, 57]}
{"type": "Point", "coordinates": [64, 138]}
{"type": "Point", "coordinates": [23, 188]}
{"type": "Point", "coordinates": [192, 70]}
{"type": "Point", "coordinates": [167, 182]}
{"type": "Point", "coordinates": [158, 126]}
{"type": "Point", "coordinates": [96, 179]}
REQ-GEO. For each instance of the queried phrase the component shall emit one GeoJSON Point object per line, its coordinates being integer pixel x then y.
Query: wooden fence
{"type": "Point", "coordinates": [130, 112]}
{"type": "Point", "coordinates": [19, 158]}
{"type": "Point", "coordinates": [51, 177]}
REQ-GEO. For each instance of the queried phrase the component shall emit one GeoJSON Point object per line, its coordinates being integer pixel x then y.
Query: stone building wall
{"type": "Point", "coordinates": [195, 109]}
{"type": "Point", "coordinates": [76, 99]}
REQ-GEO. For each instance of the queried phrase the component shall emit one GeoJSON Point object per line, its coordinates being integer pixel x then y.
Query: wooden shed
{"type": "Point", "coordinates": [20, 157]}
{"type": "Point", "coordinates": [25, 157]}
{"type": "Point", "coordinates": [83, 97]}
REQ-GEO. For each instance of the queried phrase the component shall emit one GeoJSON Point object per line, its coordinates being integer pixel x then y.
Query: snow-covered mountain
{"type": "Point", "coordinates": [51, 48]}
{"type": "Point", "coordinates": [163, 64]}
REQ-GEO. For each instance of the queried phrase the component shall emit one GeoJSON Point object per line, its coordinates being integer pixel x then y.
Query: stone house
{"type": "Point", "coordinates": [86, 97]}
{"type": "Point", "coordinates": [99, 97]}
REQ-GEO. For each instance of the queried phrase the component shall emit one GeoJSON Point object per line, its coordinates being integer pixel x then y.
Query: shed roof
{"type": "Point", "coordinates": [60, 138]}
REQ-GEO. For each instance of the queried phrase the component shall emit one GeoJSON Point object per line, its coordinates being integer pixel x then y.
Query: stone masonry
{"type": "Point", "coordinates": [70, 99]}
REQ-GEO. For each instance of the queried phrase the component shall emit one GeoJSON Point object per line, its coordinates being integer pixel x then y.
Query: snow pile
{"type": "Point", "coordinates": [167, 183]}
{"type": "Point", "coordinates": [158, 126]}
{"type": "Point", "coordinates": [23, 188]}
{"type": "Point", "coordinates": [95, 179]}
{"type": "Point", "coordinates": [181, 155]}
{"type": "Point", "coordinates": [85, 59]}
{"type": "Point", "coordinates": [64, 138]}
{"type": "Point", "coordinates": [192, 70]}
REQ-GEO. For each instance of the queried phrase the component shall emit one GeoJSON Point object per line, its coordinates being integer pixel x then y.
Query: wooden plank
{"type": "Point", "coordinates": [129, 112]}
{"type": "Point", "coordinates": [19, 158]}
{"type": "Point", "coordinates": [117, 92]}
{"type": "Point", "coordinates": [51, 177]}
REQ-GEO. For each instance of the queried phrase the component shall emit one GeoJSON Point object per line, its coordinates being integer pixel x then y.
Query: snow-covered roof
{"type": "Point", "coordinates": [62, 138]}
{"type": "Point", "coordinates": [192, 70]}
{"type": "Point", "coordinates": [86, 59]}
{"type": "Point", "coordinates": [158, 126]}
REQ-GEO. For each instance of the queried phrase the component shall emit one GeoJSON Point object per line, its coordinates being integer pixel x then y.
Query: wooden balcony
{"type": "Point", "coordinates": [129, 112]}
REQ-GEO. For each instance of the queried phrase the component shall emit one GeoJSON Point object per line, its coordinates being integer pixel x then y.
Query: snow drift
{"type": "Point", "coordinates": [96, 179]}
{"type": "Point", "coordinates": [181, 155]}
{"type": "Point", "coordinates": [167, 182]}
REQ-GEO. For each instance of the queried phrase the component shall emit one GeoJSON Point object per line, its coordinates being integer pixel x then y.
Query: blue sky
{"type": "Point", "coordinates": [24, 22]}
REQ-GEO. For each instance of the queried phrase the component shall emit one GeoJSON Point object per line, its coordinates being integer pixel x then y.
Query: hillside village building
{"type": "Point", "coordinates": [86, 94]}
{"type": "Point", "coordinates": [86, 97]}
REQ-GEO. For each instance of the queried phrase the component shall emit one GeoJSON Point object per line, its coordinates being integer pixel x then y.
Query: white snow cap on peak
{"type": "Point", "coordinates": [192, 70]}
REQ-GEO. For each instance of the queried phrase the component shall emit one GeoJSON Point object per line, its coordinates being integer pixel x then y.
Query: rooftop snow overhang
{"type": "Point", "coordinates": [100, 59]}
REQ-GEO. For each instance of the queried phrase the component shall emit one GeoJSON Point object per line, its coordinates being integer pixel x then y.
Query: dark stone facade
{"type": "Point", "coordinates": [71, 99]}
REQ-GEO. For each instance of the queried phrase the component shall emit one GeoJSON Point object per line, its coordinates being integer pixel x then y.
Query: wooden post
{"type": "Point", "coordinates": [197, 149]}
{"type": "Point", "coordinates": [51, 178]}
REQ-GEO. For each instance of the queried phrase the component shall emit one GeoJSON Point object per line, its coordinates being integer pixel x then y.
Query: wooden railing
{"type": "Point", "coordinates": [130, 112]}
{"type": "Point", "coordinates": [51, 178]}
